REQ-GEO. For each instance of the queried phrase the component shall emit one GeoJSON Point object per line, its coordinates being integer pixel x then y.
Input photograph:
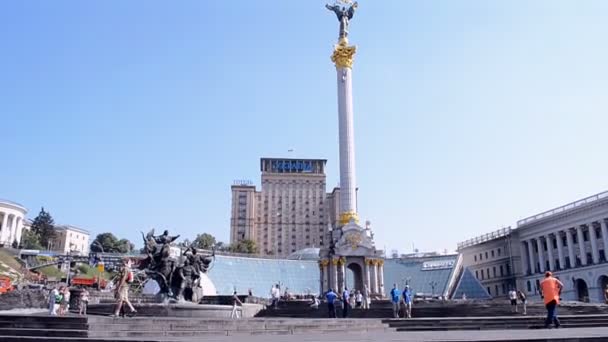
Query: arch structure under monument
{"type": "Point", "coordinates": [352, 249]}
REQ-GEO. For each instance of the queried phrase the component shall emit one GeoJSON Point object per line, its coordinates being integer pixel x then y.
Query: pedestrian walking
{"type": "Point", "coordinates": [54, 301]}
{"type": "Point", "coordinates": [122, 289]}
{"type": "Point", "coordinates": [84, 301]}
{"type": "Point", "coordinates": [345, 302]}
{"type": "Point", "coordinates": [407, 300]}
{"type": "Point", "coordinates": [358, 300]}
{"type": "Point", "coordinates": [331, 296]}
{"type": "Point", "coordinates": [524, 301]}
{"type": "Point", "coordinates": [275, 294]}
{"type": "Point", "coordinates": [551, 289]}
{"type": "Point", "coordinates": [606, 294]}
{"type": "Point", "coordinates": [513, 299]}
{"type": "Point", "coordinates": [64, 306]}
{"type": "Point", "coordinates": [367, 300]}
{"type": "Point", "coordinates": [235, 303]}
{"type": "Point", "coordinates": [395, 299]}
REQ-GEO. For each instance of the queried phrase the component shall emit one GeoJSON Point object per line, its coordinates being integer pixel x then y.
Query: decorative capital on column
{"type": "Point", "coordinates": [343, 54]}
{"type": "Point", "coordinates": [347, 216]}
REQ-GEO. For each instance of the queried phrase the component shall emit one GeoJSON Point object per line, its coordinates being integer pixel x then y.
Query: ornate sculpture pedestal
{"type": "Point", "coordinates": [352, 249]}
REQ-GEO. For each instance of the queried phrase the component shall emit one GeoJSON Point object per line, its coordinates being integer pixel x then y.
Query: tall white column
{"type": "Point", "coordinates": [334, 272]}
{"type": "Point", "coordinates": [325, 280]}
{"type": "Point", "coordinates": [3, 232]}
{"type": "Point", "coordinates": [374, 285]}
{"type": "Point", "coordinates": [570, 242]}
{"type": "Point", "coordinates": [367, 277]}
{"type": "Point", "coordinates": [560, 250]}
{"type": "Point", "coordinates": [581, 245]}
{"type": "Point", "coordinates": [595, 253]}
{"type": "Point", "coordinates": [381, 279]}
{"type": "Point", "coordinates": [343, 277]}
{"type": "Point", "coordinates": [550, 256]}
{"type": "Point", "coordinates": [531, 257]}
{"type": "Point", "coordinates": [524, 258]}
{"type": "Point", "coordinates": [604, 228]}
{"type": "Point", "coordinates": [343, 59]}
{"type": "Point", "coordinates": [541, 254]}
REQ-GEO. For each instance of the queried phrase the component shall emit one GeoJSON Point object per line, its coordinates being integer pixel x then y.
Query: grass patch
{"type": "Point", "coordinates": [87, 271]}
{"type": "Point", "coordinates": [9, 260]}
{"type": "Point", "coordinates": [51, 271]}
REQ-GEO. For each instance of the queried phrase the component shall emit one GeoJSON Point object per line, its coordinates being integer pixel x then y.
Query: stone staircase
{"type": "Point", "coordinates": [101, 327]}
{"type": "Point", "coordinates": [95, 328]}
{"type": "Point", "coordinates": [42, 327]}
{"type": "Point", "coordinates": [384, 309]}
{"type": "Point", "coordinates": [21, 328]}
{"type": "Point", "coordinates": [493, 323]}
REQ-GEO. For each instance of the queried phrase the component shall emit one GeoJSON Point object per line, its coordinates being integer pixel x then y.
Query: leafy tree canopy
{"type": "Point", "coordinates": [244, 246]}
{"type": "Point", "coordinates": [204, 241]}
{"type": "Point", "coordinates": [43, 227]}
{"type": "Point", "coordinates": [109, 243]}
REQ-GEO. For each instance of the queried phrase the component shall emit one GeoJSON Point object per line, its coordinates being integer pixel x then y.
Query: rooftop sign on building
{"type": "Point", "coordinates": [282, 165]}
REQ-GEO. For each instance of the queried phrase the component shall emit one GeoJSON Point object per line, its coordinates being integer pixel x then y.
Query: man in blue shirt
{"type": "Point", "coordinates": [395, 298]}
{"type": "Point", "coordinates": [407, 299]}
{"type": "Point", "coordinates": [331, 298]}
{"type": "Point", "coordinates": [345, 302]}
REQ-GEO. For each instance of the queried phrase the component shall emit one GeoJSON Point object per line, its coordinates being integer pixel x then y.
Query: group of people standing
{"type": "Point", "coordinates": [404, 298]}
{"type": "Point", "coordinates": [59, 301]}
{"type": "Point", "coordinates": [360, 301]}
{"type": "Point", "coordinates": [514, 296]}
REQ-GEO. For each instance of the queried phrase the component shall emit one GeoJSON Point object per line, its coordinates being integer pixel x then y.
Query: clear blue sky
{"type": "Point", "coordinates": [469, 115]}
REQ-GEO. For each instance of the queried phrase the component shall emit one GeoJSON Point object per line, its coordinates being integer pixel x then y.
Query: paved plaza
{"type": "Point", "coordinates": [569, 335]}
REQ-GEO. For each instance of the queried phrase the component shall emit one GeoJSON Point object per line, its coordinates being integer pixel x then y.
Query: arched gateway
{"type": "Point", "coordinates": [352, 248]}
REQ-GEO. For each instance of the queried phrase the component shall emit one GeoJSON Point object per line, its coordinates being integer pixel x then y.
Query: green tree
{"type": "Point", "coordinates": [124, 246]}
{"type": "Point", "coordinates": [29, 240]}
{"type": "Point", "coordinates": [245, 246]}
{"type": "Point", "coordinates": [44, 228]}
{"type": "Point", "coordinates": [111, 244]}
{"type": "Point", "coordinates": [204, 241]}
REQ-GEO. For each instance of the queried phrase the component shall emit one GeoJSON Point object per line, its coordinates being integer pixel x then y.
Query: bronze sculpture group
{"type": "Point", "coordinates": [178, 277]}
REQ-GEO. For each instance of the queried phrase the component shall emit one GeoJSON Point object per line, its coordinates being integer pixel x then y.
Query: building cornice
{"type": "Point", "coordinates": [13, 205]}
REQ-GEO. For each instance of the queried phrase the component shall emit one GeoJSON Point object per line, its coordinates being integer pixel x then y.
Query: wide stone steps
{"type": "Point", "coordinates": [383, 309]}
{"type": "Point", "coordinates": [493, 323]}
{"type": "Point", "coordinates": [171, 327]}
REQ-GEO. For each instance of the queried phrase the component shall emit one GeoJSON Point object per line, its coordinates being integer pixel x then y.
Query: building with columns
{"type": "Point", "coordinates": [12, 219]}
{"type": "Point", "coordinates": [571, 241]}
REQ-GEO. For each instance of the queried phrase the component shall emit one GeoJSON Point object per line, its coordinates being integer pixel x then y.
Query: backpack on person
{"type": "Point", "coordinates": [130, 276]}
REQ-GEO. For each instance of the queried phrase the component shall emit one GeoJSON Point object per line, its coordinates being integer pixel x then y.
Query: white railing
{"type": "Point", "coordinates": [563, 208]}
{"type": "Point", "coordinates": [485, 237]}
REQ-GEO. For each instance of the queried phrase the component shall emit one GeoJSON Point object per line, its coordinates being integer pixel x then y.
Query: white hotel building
{"type": "Point", "coordinates": [571, 241]}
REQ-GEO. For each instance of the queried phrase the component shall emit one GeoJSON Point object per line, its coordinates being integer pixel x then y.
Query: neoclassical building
{"type": "Point", "coordinates": [570, 241]}
{"type": "Point", "coordinates": [12, 216]}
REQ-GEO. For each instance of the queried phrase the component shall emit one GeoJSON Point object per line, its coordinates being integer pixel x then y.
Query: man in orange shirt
{"type": "Point", "coordinates": [551, 289]}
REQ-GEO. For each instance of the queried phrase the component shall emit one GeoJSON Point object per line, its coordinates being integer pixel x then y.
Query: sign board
{"type": "Point", "coordinates": [437, 265]}
{"type": "Point", "coordinates": [291, 166]}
